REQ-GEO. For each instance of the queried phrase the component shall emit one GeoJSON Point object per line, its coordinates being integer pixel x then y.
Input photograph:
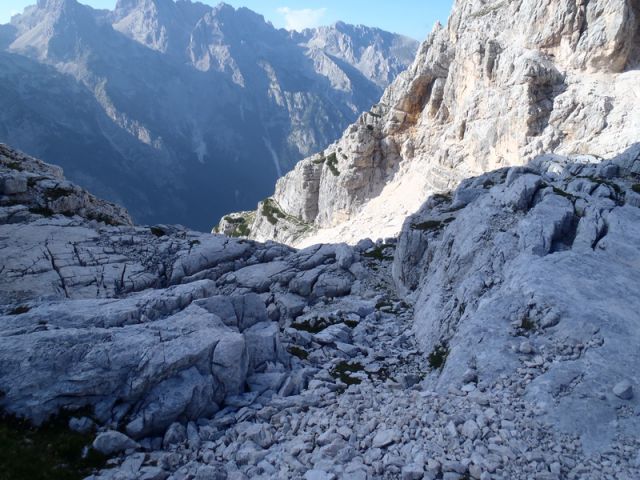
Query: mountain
{"type": "Point", "coordinates": [501, 84]}
{"type": "Point", "coordinates": [206, 106]}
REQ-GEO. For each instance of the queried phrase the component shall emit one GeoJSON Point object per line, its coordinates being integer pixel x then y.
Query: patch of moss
{"type": "Point", "coordinates": [636, 187]}
{"type": "Point", "coordinates": [438, 356]}
{"type": "Point", "coordinates": [301, 353]}
{"type": "Point", "coordinates": [343, 371]}
{"type": "Point", "coordinates": [19, 310]}
{"type": "Point", "coordinates": [432, 225]}
{"type": "Point", "coordinates": [49, 452]}
{"type": "Point", "coordinates": [332, 163]}
{"type": "Point", "coordinates": [320, 160]}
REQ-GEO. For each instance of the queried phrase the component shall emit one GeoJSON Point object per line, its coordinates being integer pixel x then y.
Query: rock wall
{"type": "Point", "coordinates": [503, 82]}
{"type": "Point", "coordinates": [528, 273]}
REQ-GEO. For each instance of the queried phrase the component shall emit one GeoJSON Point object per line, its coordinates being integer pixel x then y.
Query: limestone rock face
{"type": "Point", "coordinates": [529, 271]}
{"type": "Point", "coordinates": [502, 83]}
{"type": "Point", "coordinates": [146, 326]}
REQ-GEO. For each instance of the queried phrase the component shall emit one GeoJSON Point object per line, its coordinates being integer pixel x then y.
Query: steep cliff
{"type": "Point", "coordinates": [503, 82]}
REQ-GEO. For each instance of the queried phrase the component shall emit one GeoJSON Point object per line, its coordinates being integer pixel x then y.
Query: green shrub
{"type": "Point", "coordinates": [271, 211]}
{"type": "Point", "coordinates": [344, 370]}
{"type": "Point", "coordinates": [301, 353]}
{"type": "Point", "coordinates": [432, 225]}
{"type": "Point", "coordinates": [157, 231]}
{"type": "Point", "coordinates": [438, 356]}
{"type": "Point", "coordinates": [378, 253]}
{"type": "Point", "coordinates": [332, 163]}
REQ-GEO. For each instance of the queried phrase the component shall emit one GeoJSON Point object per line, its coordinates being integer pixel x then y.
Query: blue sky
{"type": "Point", "coordinates": [414, 18]}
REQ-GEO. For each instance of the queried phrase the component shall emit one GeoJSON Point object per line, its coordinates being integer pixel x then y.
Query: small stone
{"type": "Point", "coordinates": [526, 348]}
{"type": "Point", "coordinates": [81, 425]}
{"type": "Point", "coordinates": [470, 429]}
{"type": "Point", "coordinates": [174, 435]}
{"type": "Point", "coordinates": [412, 472]}
{"type": "Point", "coordinates": [623, 390]}
{"type": "Point", "coordinates": [384, 438]}
{"type": "Point", "coordinates": [112, 442]}
{"type": "Point", "coordinates": [318, 475]}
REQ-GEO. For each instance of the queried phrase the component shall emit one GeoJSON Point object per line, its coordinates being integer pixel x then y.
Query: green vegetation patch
{"type": "Point", "coordinates": [351, 323]}
{"type": "Point", "coordinates": [564, 194]}
{"type": "Point", "coordinates": [44, 211]}
{"type": "Point", "coordinates": [157, 231]}
{"type": "Point", "coordinates": [438, 356]}
{"type": "Point", "coordinates": [442, 197]}
{"type": "Point", "coordinates": [636, 187]}
{"type": "Point", "coordinates": [240, 227]}
{"type": "Point", "coordinates": [315, 325]}
{"type": "Point", "coordinates": [332, 163]}
{"type": "Point", "coordinates": [378, 253]}
{"type": "Point", "coordinates": [56, 193]}
{"type": "Point", "coordinates": [318, 324]}
{"type": "Point", "coordinates": [301, 353]}
{"type": "Point", "coordinates": [344, 371]}
{"type": "Point", "coordinates": [50, 452]}
{"type": "Point", "coordinates": [14, 166]}
{"type": "Point", "coordinates": [432, 225]}
{"type": "Point", "coordinates": [527, 324]}
{"type": "Point", "coordinates": [101, 217]}
{"type": "Point", "coordinates": [271, 211]}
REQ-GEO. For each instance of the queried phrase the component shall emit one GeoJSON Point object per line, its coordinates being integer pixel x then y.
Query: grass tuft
{"type": "Point", "coordinates": [49, 452]}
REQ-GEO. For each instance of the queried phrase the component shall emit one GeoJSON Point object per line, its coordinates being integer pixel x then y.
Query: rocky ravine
{"type": "Point", "coordinates": [502, 83]}
{"type": "Point", "coordinates": [474, 346]}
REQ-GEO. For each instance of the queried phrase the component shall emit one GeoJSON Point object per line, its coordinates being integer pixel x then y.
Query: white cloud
{"type": "Point", "coordinates": [301, 19]}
